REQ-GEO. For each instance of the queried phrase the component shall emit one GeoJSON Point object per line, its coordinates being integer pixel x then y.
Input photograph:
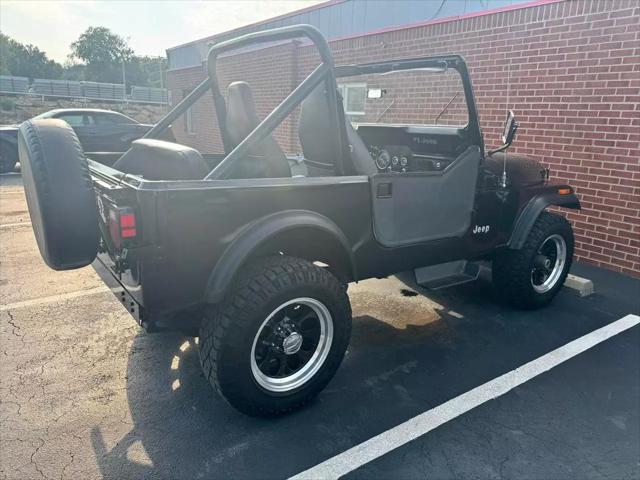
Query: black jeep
{"type": "Point", "coordinates": [258, 260]}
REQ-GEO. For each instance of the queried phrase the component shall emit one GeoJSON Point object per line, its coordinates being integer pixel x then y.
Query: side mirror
{"type": "Point", "coordinates": [508, 134]}
{"type": "Point", "coordinates": [510, 129]}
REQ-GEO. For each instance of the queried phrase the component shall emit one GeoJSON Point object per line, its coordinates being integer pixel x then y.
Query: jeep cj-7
{"type": "Point", "coordinates": [255, 260]}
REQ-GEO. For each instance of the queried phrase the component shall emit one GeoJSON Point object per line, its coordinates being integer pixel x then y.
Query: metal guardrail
{"type": "Point", "coordinates": [57, 88]}
{"type": "Point", "coordinates": [11, 84]}
{"type": "Point", "coordinates": [103, 91]}
{"type": "Point", "coordinates": [149, 94]}
{"type": "Point", "coordinates": [110, 92]}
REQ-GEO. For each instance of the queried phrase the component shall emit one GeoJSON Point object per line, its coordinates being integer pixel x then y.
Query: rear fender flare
{"type": "Point", "coordinates": [256, 234]}
{"type": "Point", "coordinates": [532, 210]}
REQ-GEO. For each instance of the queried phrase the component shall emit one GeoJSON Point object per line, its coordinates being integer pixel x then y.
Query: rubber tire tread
{"type": "Point", "coordinates": [252, 297]}
{"type": "Point", "coordinates": [511, 271]}
{"type": "Point", "coordinates": [60, 195]}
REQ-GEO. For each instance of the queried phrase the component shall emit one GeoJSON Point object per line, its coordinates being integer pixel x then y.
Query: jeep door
{"type": "Point", "coordinates": [416, 207]}
{"type": "Point", "coordinates": [421, 130]}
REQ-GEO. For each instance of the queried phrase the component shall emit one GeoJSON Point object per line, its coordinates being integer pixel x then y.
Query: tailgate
{"type": "Point", "coordinates": [126, 217]}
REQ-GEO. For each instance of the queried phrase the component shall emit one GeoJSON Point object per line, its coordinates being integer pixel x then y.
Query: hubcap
{"type": "Point", "coordinates": [549, 263]}
{"type": "Point", "coordinates": [291, 345]}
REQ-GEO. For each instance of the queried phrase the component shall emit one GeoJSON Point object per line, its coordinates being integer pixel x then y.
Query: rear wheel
{"type": "Point", "coordinates": [532, 276]}
{"type": "Point", "coordinates": [8, 157]}
{"type": "Point", "coordinates": [278, 338]}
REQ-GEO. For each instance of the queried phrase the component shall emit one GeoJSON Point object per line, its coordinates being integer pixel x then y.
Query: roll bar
{"type": "Point", "coordinates": [323, 72]}
{"type": "Point", "coordinates": [178, 110]}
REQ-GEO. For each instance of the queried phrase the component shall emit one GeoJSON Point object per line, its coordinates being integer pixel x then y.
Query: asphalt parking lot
{"type": "Point", "coordinates": [87, 394]}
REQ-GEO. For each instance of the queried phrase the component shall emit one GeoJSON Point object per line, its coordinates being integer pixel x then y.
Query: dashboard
{"type": "Point", "coordinates": [403, 148]}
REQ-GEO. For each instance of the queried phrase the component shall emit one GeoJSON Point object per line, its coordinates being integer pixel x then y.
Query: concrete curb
{"type": "Point", "coordinates": [582, 286]}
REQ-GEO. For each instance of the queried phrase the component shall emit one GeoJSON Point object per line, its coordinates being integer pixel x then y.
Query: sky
{"type": "Point", "coordinates": [151, 26]}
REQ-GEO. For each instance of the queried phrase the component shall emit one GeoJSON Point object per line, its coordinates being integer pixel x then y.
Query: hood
{"type": "Point", "coordinates": [522, 170]}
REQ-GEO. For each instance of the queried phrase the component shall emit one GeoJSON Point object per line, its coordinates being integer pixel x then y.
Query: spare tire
{"type": "Point", "coordinates": [60, 196]}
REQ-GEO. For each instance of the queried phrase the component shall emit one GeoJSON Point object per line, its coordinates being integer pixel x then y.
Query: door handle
{"type": "Point", "coordinates": [383, 190]}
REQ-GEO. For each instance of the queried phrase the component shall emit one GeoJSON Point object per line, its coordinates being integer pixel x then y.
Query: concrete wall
{"type": "Point", "coordinates": [22, 107]}
{"type": "Point", "coordinates": [575, 83]}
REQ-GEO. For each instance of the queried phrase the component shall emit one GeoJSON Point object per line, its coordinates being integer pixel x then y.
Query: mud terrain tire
{"type": "Point", "coordinates": [230, 329]}
{"type": "Point", "coordinates": [60, 196]}
{"type": "Point", "coordinates": [513, 274]}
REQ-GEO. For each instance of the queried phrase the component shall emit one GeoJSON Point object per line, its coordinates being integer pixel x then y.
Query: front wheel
{"type": "Point", "coordinates": [532, 276]}
{"type": "Point", "coordinates": [278, 338]}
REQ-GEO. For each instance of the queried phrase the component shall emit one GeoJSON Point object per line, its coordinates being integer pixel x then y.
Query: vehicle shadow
{"type": "Point", "coordinates": [389, 374]}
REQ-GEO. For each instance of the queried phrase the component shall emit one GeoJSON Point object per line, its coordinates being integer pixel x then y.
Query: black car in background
{"type": "Point", "coordinates": [101, 131]}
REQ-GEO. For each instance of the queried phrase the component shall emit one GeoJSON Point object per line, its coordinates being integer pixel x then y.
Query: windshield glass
{"type": "Point", "coordinates": [409, 97]}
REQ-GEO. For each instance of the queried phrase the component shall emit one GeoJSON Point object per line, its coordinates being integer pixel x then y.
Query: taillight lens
{"type": "Point", "coordinates": [122, 225]}
{"type": "Point", "coordinates": [127, 225]}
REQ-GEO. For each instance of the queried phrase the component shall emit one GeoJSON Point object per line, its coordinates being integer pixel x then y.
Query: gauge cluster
{"type": "Point", "coordinates": [391, 158]}
{"type": "Point", "coordinates": [399, 158]}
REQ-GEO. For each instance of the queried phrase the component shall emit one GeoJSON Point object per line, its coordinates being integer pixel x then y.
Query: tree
{"type": "Point", "coordinates": [26, 60]}
{"type": "Point", "coordinates": [97, 55]}
{"type": "Point", "coordinates": [146, 71]}
{"type": "Point", "coordinates": [73, 71]}
{"type": "Point", "coordinates": [103, 52]}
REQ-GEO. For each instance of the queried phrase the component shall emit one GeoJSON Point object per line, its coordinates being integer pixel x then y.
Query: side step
{"type": "Point", "coordinates": [447, 274]}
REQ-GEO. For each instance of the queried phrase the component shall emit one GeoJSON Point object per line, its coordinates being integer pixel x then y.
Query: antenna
{"type": "Point", "coordinates": [503, 180]}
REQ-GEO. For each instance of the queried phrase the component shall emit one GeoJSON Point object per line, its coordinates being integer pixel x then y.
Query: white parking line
{"type": "Point", "coordinates": [17, 224]}
{"type": "Point", "coordinates": [53, 298]}
{"type": "Point", "coordinates": [385, 442]}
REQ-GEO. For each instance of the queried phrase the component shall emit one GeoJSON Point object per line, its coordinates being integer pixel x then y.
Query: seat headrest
{"type": "Point", "coordinates": [242, 118]}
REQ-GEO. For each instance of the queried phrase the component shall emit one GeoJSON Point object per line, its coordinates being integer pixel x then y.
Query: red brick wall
{"type": "Point", "coordinates": [272, 74]}
{"type": "Point", "coordinates": [575, 88]}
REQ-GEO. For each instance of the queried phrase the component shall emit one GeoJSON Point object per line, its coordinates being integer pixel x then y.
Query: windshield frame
{"type": "Point", "coordinates": [428, 65]}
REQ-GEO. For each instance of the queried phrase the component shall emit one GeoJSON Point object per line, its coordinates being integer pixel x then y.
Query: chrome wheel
{"type": "Point", "coordinates": [548, 264]}
{"type": "Point", "coordinates": [291, 345]}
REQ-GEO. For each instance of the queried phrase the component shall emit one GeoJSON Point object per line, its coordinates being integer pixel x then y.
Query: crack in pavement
{"type": "Point", "coordinates": [15, 328]}
{"type": "Point", "coordinates": [35, 464]}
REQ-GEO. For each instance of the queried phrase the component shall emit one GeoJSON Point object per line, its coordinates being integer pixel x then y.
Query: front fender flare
{"type": "Point", "coordinates": [533, 209]}
{"type": "Point", "coordinates": [260, 231]}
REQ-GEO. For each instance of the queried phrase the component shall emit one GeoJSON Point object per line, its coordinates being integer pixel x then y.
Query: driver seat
{"type": "Point", "coordinates": [265, 159]}
{"type": "Point", "coordinates": [316, 137]}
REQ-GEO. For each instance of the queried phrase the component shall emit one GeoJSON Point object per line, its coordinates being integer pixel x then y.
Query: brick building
{"type": "Point", "coordinates": [572, 69]}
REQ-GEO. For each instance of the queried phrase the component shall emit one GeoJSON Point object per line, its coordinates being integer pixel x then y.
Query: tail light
{"type": "Point", "coordinates": [122, 225]}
